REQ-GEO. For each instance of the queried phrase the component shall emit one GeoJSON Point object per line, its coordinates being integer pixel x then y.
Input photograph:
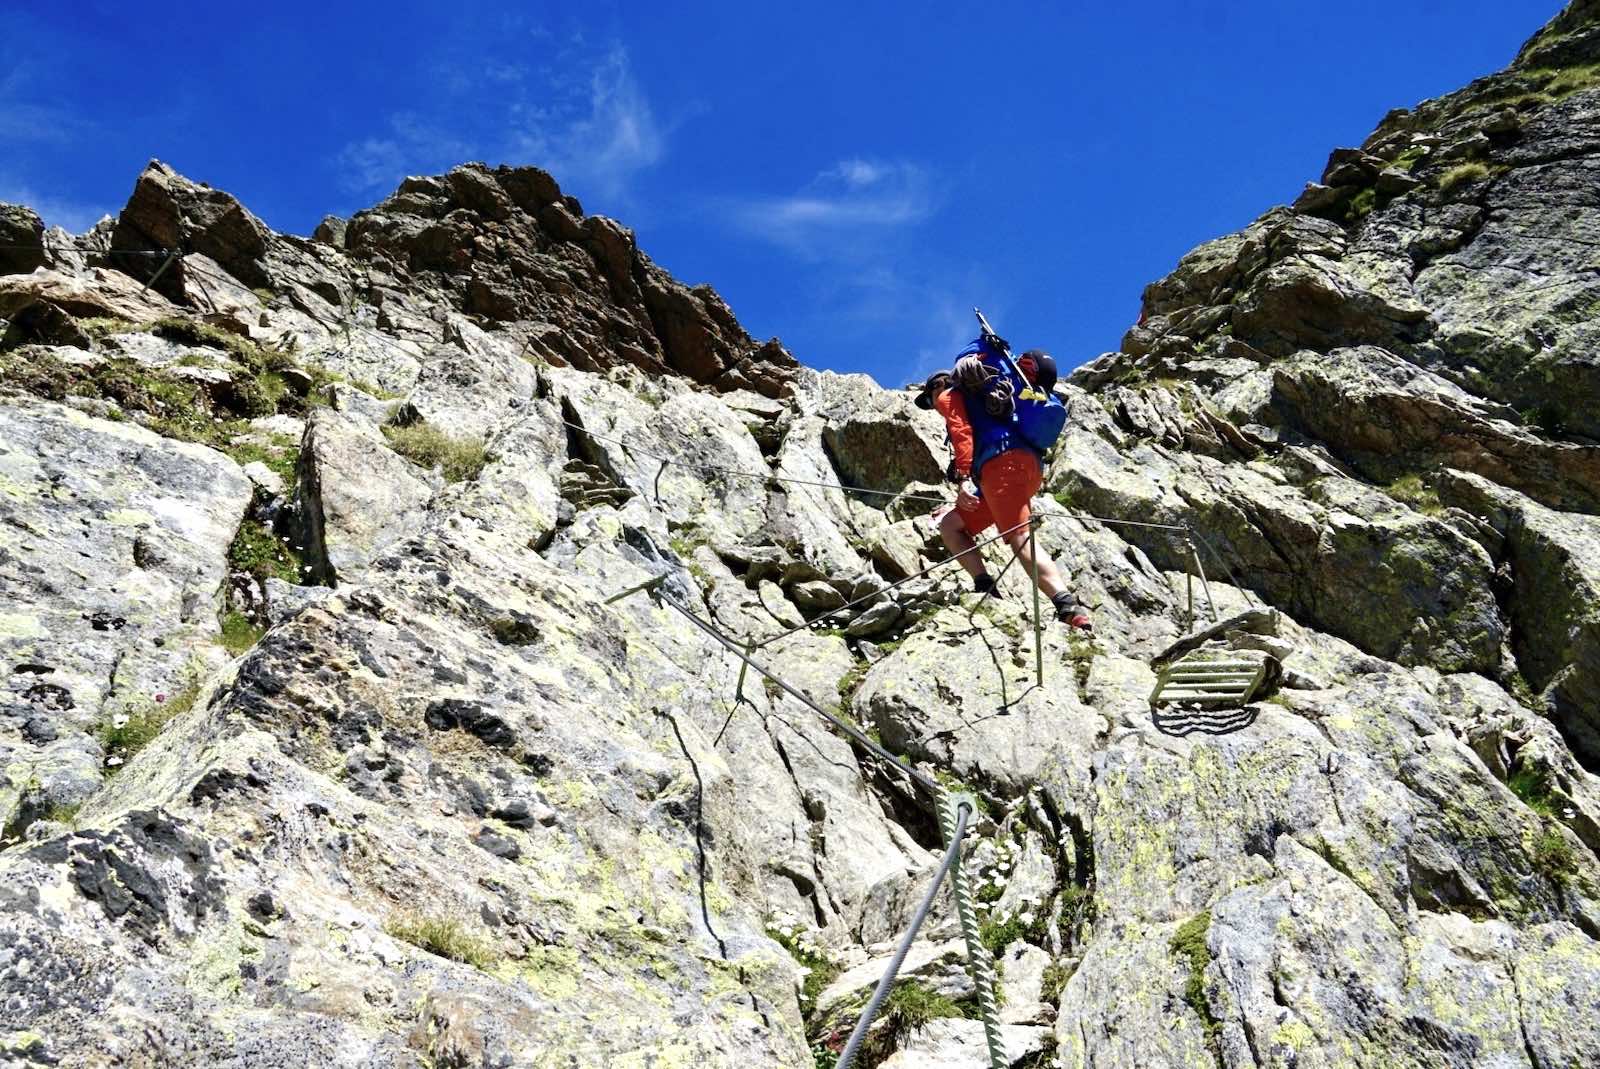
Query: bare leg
{"type": "Point", "coordinates": [1048, 579]}
{"type": "Point", "coordinates": [956, 539]}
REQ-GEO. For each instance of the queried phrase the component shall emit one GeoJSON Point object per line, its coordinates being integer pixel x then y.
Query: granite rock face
{"type": "Point", "coordinates": [322, 742]}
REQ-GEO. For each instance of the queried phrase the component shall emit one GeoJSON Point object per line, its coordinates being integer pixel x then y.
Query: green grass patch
{"type": "Point", "coordinates": [1553, 857]}
{"type": "Point", "coordinates": [258, 552]}
{"type": "Point", "coordinates": [458, 459]}
{"type": "Point", "coordinates": [1547, 418]}
{"type": "Point", "coordinates": [63, 814]}
{"type": "Point", "coordinates": [444, 936]}
{"type": "Point", "coordinates": [102, 327]}
{"type": "Point", "coordinates": [1517, 685]}
{"type": "Point", "coordinates": [821, 970]}
{"type": "Point", "coordinates": [1461, 174]}
{"type": "Point", "coordinates": [1189, 945]}
{"type": "Point", "coordinates": [193, 332]}
{"type": "Point", "coordinates": [997, 933]}
{"type": "Point", "coordinates": [1408, 160]}
{"type": "Point", "coordinates": [1411, 490]}
{"type": "Point", "coordinates": [908, 1009]}
{"type": "Point", "coordinates": [238, 633]}
{"type": "Point", "coordinates": [282, 457]}
{"type": "Point", "coordinates": [1532, 785]}
{"type": "Point", "coordinates": [1361, 204]}
{"type": "Point", "coordinates": [1053, 982]}
{"type": "Point", "coordinates": [1572, 80]}
{"type": "Point", "coordinates": [158, 399]}
{"type": "Point", "coordinates": [138, 722]}
{"type": "Point", "coordinates": [850, 682]}
{"type": "Point", "coordinates": [954, 784]}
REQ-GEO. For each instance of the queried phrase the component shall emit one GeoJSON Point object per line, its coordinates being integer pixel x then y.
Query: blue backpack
{"type": "Point", "coordinates": [1038, 416]}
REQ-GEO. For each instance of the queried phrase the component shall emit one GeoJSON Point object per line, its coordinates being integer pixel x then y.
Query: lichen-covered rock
{"type": "Point", "coordinates": [496, 799]}
{"type": "Point", "coordinates": [359, 496]}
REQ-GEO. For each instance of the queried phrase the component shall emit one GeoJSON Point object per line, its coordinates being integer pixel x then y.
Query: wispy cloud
{"type": "Point", "coordinates": [583, 117]}
{"type": "Point", "coordinates": [24, 118]}
{"type": "Point", "coordinates": [410, 145]}
{"type": "Point", "coordinates": [600, 140]}
{"type": "Point", "coordinates": [75, 216]}
{"type": "Point", "coordinates": [852, 197]}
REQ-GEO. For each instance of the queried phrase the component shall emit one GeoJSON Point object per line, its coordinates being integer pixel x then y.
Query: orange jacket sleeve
{"type": "Point", "coordinates": [953, 408]}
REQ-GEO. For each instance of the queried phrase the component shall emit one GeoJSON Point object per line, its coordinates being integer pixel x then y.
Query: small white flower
{"type": "Point", "coordinates": [1027, 917]}
{"type": "Point", "coordinates": [1568, 813]}
{"type": "Point", "coordinates": [120, 720]}
{"type": "Point", "coordinates": [113, 762]}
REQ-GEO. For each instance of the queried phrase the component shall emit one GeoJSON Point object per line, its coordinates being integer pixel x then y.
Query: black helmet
{"type": "Point", "coordinates": [1043, 367]}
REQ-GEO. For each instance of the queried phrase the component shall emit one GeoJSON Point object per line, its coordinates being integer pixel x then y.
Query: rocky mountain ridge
{"type": "Point", "coordinates": [322, 745]}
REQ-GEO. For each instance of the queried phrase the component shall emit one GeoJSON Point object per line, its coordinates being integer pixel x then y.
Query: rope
{"type": "Point", "coordinates": [952, 858]}
{"type": "Point", "coordinates": [980, 963]}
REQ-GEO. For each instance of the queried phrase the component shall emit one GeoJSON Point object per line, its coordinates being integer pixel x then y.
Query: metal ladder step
{"type": "Point", "coordinates": [1213, 681]}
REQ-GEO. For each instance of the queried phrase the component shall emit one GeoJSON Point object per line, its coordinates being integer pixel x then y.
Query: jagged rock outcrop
{"type": "Point", "coordinates": [461, 808]}
{"type": "Point", "coordinates": [21, 239]}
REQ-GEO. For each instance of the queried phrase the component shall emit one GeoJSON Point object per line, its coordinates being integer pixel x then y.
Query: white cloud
{"type": "Point", "coordinates": [370, 164]}
{"type": "Point", "coordinates": [839, 203]}
{"type": "Point", "coordinates": [598, 139]}
{"type": "Point", "coordinates": [858, 173]}
{"type": "Point", "coordinates": [585, 119]}
{"type": "Point", "coordinates": [412, 145]}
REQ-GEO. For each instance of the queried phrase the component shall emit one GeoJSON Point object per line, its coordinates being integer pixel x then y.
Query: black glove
{"type": "Point", "coordinates": [996, 343]}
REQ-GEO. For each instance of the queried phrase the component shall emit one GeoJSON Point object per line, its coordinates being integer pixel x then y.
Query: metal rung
{"type": "Point", "coordinates": [1216, 666]}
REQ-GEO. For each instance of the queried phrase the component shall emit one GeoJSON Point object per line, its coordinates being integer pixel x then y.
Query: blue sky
{"type": "Point", "coordinates": [851, 177]}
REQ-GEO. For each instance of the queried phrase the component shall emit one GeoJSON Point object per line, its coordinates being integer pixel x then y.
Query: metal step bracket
{"type": "Point", "coordinates": [1203, 678]}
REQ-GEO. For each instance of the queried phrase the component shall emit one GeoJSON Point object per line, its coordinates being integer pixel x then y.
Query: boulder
{"type": "Point", "coordinates": [169, 212]}
{"type": "Point", "coordinates": [1554, 561]}
{"type": "Point", "coordinates": [99, 292]}
{"type": "Point", "coordinates": [358, 496]}
{"type": "Point", "coordinates": [21, 240]}
{"type": "Point", "coordinates": [331, 231]}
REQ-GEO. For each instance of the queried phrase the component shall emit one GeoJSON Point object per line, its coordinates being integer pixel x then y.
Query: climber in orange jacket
{"type": "Point", "coordinates": [997, 492]}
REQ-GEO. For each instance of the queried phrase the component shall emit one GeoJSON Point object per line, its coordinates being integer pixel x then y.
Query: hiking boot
{"type": "Point", "coordinates": [1069, 612]}
{"type": "Point", "coordinates": [984, 584]}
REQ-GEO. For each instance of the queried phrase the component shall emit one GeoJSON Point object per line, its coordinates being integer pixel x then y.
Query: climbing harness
{"type": "Point", "coordinates": [954, 811]}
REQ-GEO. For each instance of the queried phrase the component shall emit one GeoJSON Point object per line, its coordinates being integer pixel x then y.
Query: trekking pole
{"type": "Point", "coordinates": [1038, 632]}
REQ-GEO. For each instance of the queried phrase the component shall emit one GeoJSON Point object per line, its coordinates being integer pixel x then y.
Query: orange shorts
{"type": "Point", "coordinates": [1008, 482]}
